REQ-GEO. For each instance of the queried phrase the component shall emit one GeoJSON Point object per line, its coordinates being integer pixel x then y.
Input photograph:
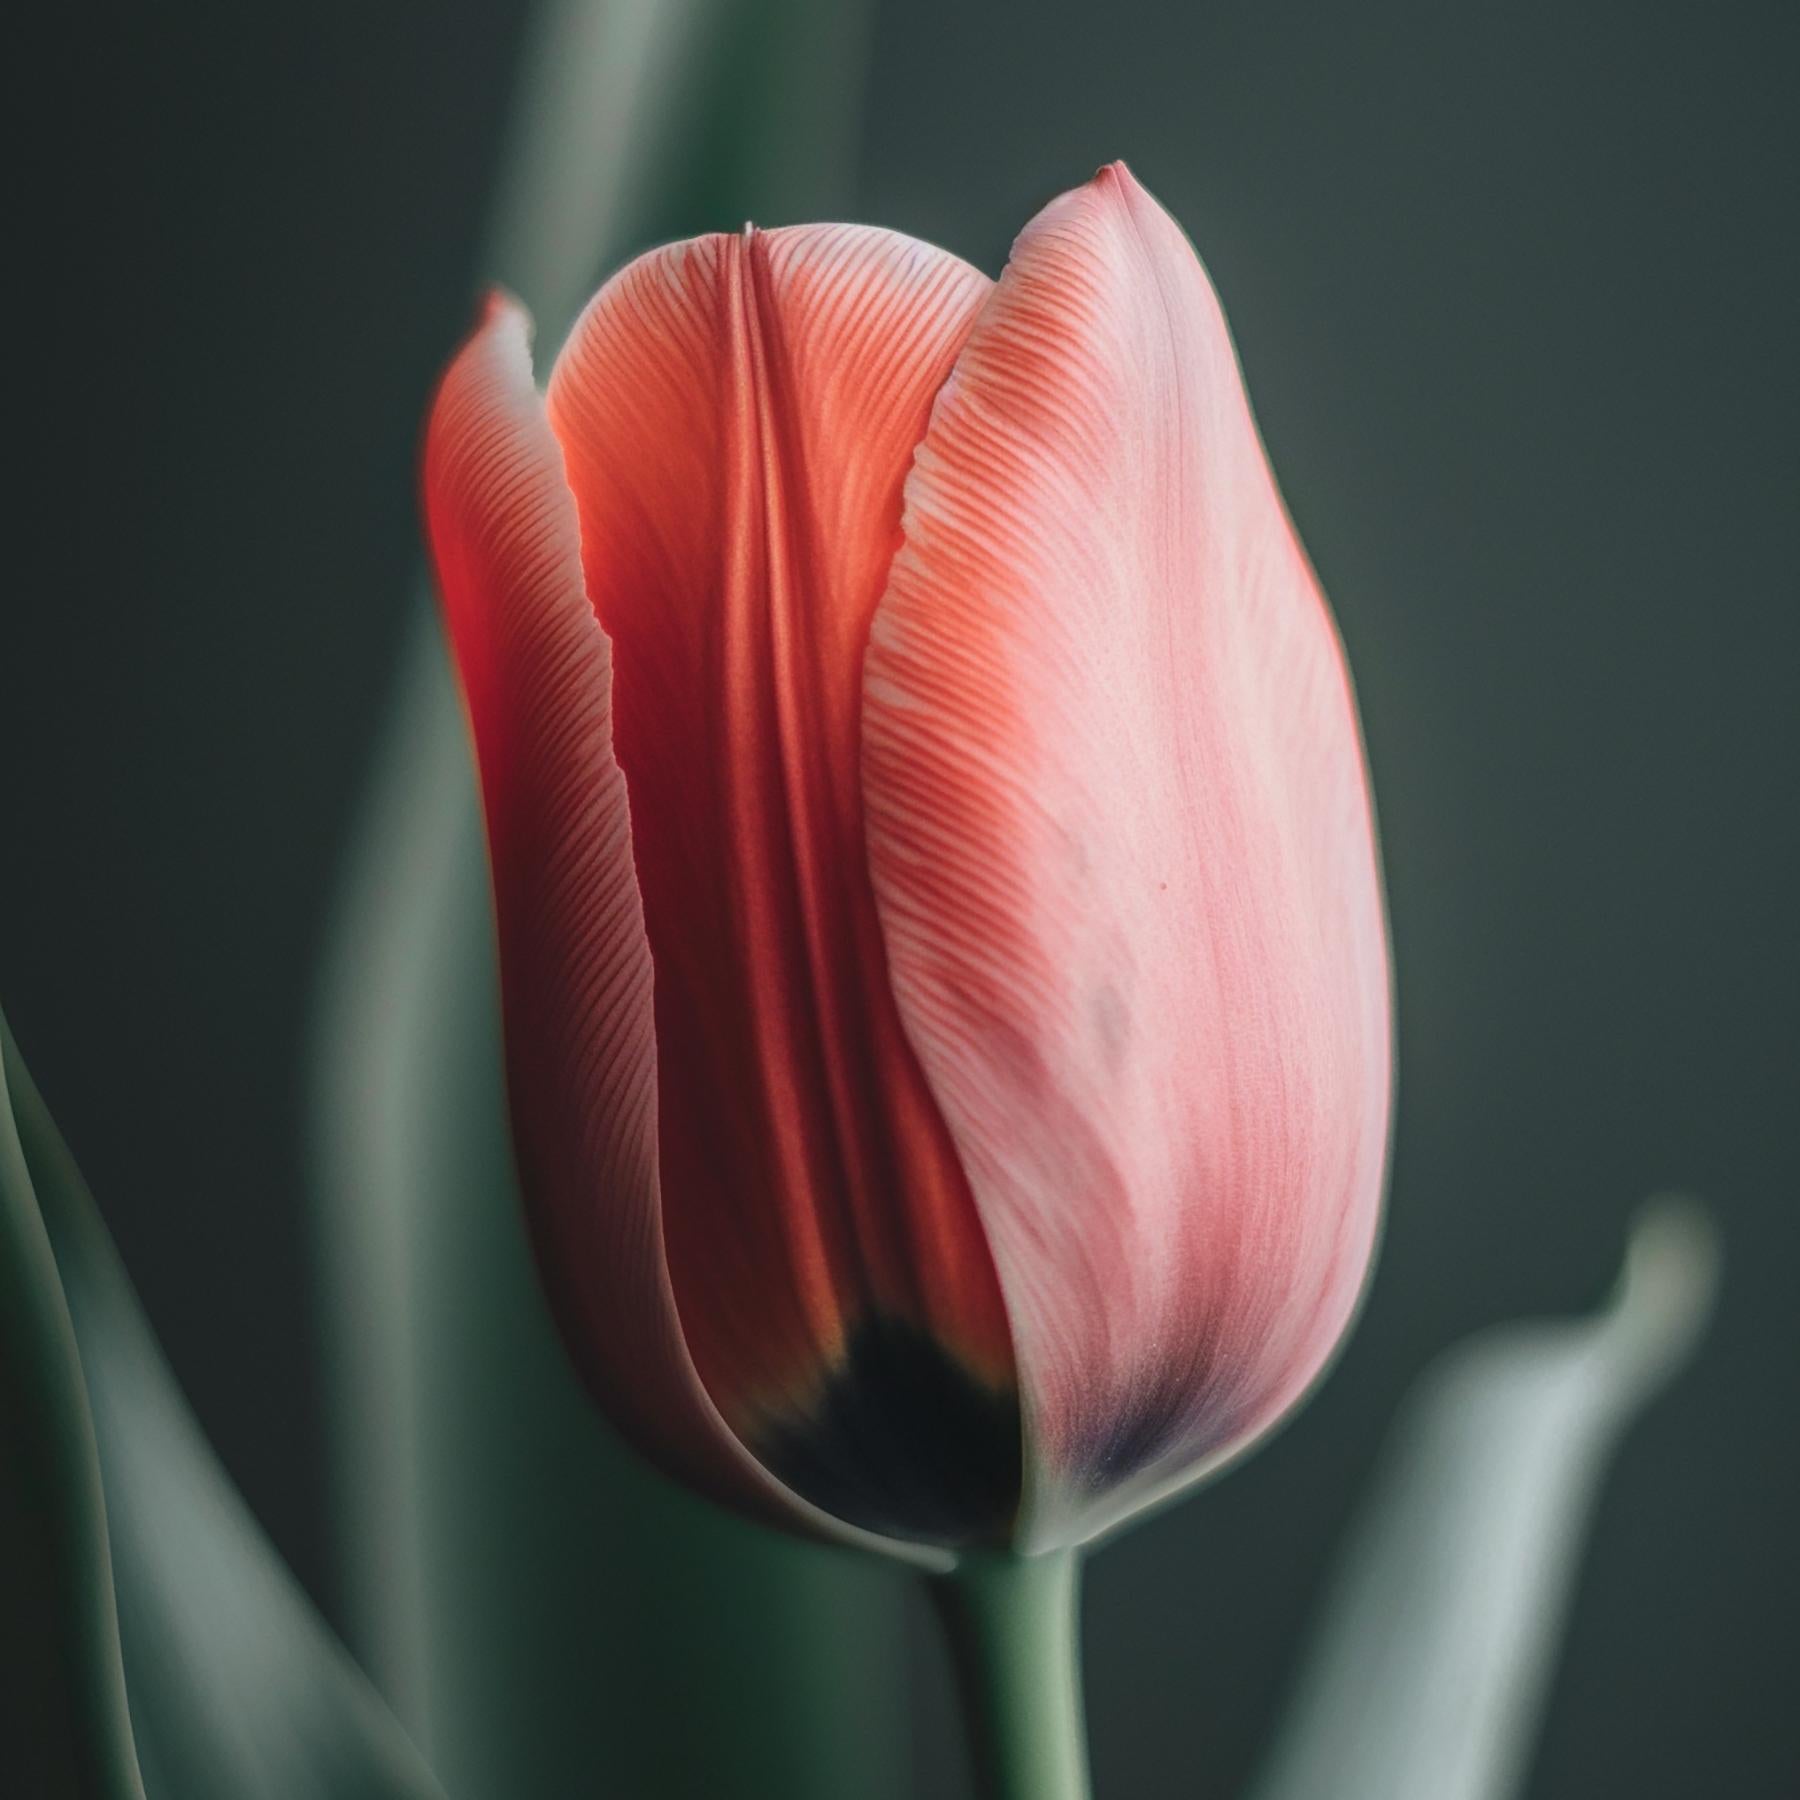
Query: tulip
{"type": "Point", "coordinates": [944, 973]}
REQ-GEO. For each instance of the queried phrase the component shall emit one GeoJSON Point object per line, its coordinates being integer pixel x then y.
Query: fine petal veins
{"type": "Point", "coordinates": [738, 415]}
{"type": "Point", "coordinates": [575, 963]}
{"type": "Point", "coordinates": [1123, 852]}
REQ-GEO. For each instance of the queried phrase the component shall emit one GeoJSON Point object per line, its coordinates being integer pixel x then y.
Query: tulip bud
{"type": "Point", "coordinates": [944, 973]}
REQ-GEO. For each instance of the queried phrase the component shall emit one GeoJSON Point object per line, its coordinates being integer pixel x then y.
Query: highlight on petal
{"type": "Point", "coordinates": [574, 960]}
{"type": "Point", "coordinates": [1122, 845]}
{"type": "Point", "coordinates": [738, 415]}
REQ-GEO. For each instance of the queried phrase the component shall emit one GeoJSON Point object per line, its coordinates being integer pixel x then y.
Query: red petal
{"type": "Point", "coordinates": [1123, 850]}
{"type": "Point", "coordinates": [575, 965]}
{"type": "Point", "coordinates": [738, 415]}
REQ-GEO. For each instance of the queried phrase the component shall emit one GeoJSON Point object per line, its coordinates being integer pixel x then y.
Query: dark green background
{"type": "Point", "coordinates": [1515, 292]}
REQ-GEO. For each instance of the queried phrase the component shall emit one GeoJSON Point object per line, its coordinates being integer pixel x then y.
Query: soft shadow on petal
{"type": "Point", "coordinates": [1122, 846]}
{"type": "Point", "coordinates": [575, 963]}
{"type": "Point", "coordinates": [738, 415]}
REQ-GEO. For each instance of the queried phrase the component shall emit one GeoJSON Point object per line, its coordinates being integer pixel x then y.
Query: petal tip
{"type": "Point", "coordinates": [498, 306]}
{"type": "Point", "coordinates": [1116, 179]}
{"type": "Point", "coordinates": [1111, 191]}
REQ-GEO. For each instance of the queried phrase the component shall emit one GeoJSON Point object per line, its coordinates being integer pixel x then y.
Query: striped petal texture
{"type": "Point", "coordinates": [575, 968]}
{"type": "Point", "coordinates": [1122, 842]}
{"type": "Point", "coordinates": [944, 970]}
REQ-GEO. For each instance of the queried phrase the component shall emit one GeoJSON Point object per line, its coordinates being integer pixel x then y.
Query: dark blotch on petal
{"type": "Point", "coordinates": [1175, 1411]}
{"type": "Point", "coordinates": [1136, 1442]}
{"type": "Point", "coordinates": [902, 1440]}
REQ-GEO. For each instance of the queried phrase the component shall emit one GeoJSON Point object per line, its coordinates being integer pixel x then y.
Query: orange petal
{"type": "Point", "coordinates": [738, 415]}
{"type": "Point", "coordinates": [1123, 850]}
{"type": "Point", "coordinates": [574, 961]}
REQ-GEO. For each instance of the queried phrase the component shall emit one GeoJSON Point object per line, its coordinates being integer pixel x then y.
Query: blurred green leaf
{"type": "Point", "coordinates": [64, 1681]}
{"type": "Point", "coordinates": [236, 1689]}
{"type": "Point", "coordinates": [1427, 1676]}
{"type": "Point", "coordinates": [528, 1595]}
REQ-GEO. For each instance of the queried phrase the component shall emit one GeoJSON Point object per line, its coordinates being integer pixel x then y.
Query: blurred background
{"type": "Point", "coordinates": [1514, 292]}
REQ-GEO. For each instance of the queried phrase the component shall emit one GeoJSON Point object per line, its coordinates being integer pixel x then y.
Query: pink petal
{"type": "Point", "coordinates": [1123, 850]}
{"type": "Point", "coordinates": [575, 964]}
{"type": "Point", "coordinates": [738, 415]}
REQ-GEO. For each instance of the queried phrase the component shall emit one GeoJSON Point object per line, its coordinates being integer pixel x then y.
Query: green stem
{"type": "Point", "coordinates": [1011, 1621]}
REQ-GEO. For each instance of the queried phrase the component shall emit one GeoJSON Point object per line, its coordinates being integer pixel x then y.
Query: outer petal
{"type": "Point", "coordinates": [1122, 844]}
{"type": "Point", "coordinates": [738, 415]}
{"type": "Point", "coordinates": [575, 963]}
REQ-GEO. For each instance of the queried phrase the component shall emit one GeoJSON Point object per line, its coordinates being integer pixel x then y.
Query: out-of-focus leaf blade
{"type": "Point", "coordinates": [1427, 1676]}
{"type": "Point", "coordinates": [550, 1617]}
{"type": "Point", "coordinates": [64, 1677]}
{"type": "Point", "coordinates": [236, 1690]}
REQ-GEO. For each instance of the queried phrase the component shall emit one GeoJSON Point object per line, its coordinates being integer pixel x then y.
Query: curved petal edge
{"type": "Point", "coordinates": [1123, 849]}
{"type": "Point", "coordinates": [576, 976]}
{"type": "Point", "coordinates": [737, 415]}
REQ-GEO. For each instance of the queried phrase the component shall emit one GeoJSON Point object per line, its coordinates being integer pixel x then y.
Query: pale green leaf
{"type": "Point", "coordinates": [212, 1674]}
{"type": "Point", "coordinates": [1429, 1671]}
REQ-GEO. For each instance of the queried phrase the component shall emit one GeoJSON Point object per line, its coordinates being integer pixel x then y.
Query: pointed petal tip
{"type": "Point", "coordinates": [1112, 189]}
{"type": "Point", "coordinates": [496, 302]}
{"type": "Point", "coordinates": [1116, 179]}
{"type": "Point", "coordinates": [498, 315]}
{"type": "Point", "coordinates": [498, 309]}
{"type": "Point", "coordinates": [497, 305]}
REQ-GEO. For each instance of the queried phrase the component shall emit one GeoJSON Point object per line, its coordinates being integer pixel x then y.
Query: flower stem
{"type": "Point", "coordinates": [1011, 1622]}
